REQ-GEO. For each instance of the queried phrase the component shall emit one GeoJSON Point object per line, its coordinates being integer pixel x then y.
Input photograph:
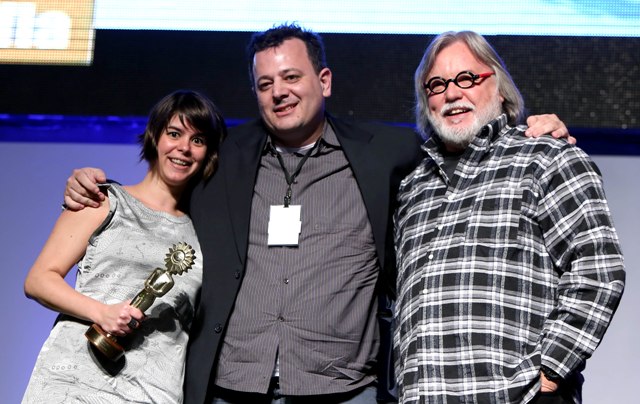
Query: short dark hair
{"type": "Point", "coordinates": [193, 109]}
{"type": "Point", "coordinates": [275, 36]}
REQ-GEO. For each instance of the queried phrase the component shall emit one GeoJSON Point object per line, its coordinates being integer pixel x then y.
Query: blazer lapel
{"type": "Point", "coordinates": [241, 168]}
{"type": "Point", "coordinates": [372, 178]}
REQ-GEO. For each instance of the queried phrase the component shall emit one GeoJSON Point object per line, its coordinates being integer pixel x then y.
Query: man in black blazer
{"type": "Point", "coordinates": [291, 81]}
{"type": "Point", "coordinates": [295, 234]}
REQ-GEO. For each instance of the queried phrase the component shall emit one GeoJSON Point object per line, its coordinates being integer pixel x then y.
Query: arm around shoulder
{"type": "Point", "coordinates": [82, 188]}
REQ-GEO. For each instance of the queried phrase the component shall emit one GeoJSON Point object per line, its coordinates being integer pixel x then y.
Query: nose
{"type": "Point", "coordinates": [280, 90]}
{"type": "Point", "coordinates": [452, 92]}
{"type": "Point", "coordinates": [184, 144]}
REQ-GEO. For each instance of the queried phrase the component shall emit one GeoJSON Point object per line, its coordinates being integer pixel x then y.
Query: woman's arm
{"type": "Point", "coordinates": [65, 246]}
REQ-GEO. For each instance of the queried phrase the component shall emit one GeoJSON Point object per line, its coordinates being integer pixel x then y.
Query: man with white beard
{"type": "Point", "coordinates": [509, 267]}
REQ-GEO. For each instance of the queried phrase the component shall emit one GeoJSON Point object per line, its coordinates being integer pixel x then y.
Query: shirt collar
{"type": "Point", "coordinates": [328, 139]}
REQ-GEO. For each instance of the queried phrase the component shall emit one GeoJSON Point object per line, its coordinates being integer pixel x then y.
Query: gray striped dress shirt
{"type": "Point", "coordinates": [312, 306]}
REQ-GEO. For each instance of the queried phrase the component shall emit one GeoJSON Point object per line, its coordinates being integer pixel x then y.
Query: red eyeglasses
{"type": "Point", "coordinates": [438, 85]}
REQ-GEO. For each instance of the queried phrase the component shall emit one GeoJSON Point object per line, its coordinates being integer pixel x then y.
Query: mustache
{"type": "Point", "coordinates": [446, 108]}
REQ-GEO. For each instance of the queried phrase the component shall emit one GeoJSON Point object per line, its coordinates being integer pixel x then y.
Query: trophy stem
{"type": "Point", "coordinates": [104, 342]}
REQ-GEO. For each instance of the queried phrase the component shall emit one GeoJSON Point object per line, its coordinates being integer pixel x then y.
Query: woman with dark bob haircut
{"type": "Point", "coordinates": [191, 107]}
{"type": "Point", "coordinates": [138, 230]}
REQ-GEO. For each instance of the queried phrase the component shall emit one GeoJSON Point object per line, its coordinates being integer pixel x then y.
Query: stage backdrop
{"type": "Point", "coordinates": [579, 59]}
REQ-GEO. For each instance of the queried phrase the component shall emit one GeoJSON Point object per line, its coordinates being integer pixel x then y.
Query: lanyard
{"type": "Point", "coordinates": [292, 177]}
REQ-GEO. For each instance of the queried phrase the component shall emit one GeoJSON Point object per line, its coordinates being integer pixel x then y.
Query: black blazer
{"type": "Point", "coordinates": [380, 157]}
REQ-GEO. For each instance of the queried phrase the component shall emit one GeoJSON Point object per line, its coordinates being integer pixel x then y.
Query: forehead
{"type": "Point", "coordinates": [455, 58]}
{"type": "Point", "coordinates": [290, 54]}
{"type": "Point", "coordinates": [180, 121]}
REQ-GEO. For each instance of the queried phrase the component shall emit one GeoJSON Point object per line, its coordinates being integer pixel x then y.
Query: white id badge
{"type": "Point", "coordinates": [284, 225]}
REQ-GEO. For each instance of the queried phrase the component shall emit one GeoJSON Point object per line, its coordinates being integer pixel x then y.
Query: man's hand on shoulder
{"type": "Point", "coordinates": [548, 123]}
{"type": "Point", "coordinates": [82, 189]}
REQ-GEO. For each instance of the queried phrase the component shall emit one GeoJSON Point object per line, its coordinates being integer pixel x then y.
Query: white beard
{"type": "Point", "coordinates": [461, 137]}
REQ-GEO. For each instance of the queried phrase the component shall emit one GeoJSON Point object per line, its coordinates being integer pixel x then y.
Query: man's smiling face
{"type": "Point", "coordinates": [291, 93]}
{"type": "Point", "coordinates": [458, 114]}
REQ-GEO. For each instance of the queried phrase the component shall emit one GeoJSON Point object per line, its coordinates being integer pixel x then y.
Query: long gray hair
{"type": "Point", "coordinates": [513, 104]}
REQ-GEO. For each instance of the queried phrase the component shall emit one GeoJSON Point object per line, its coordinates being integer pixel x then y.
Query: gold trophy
{"type": "Point", "coordinates": [179, 260]}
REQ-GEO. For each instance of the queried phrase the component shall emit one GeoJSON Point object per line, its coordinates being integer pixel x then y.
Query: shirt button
{"type": "Point", "coordinates": [430, 256]}
{"type": "Point", "coordinates": [280, 318]}
{"type": "Point", "coordinates": [286, 280]}
{"type": "Point", "coordinates": [439, 227]}
{"type": "Point", "coordinates": [450, 197]}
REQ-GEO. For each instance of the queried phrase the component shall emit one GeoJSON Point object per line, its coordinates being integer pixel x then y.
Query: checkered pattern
{"type": "Point", "coordinates": [511, 264]}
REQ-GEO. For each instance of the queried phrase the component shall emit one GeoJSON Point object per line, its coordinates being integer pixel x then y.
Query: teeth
{"type": "Point", "coordinates": [456, 111]}
{"type": "Point", "coordinates": [179, 162]}
{"type": "Point", "coordinates": [287, 108]}
{"type": "Point", "coordinates": [456, 108]}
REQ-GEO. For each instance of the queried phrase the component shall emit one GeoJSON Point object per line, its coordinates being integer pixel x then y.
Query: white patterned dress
{"type": "Point", "coordinates": [128, 246]}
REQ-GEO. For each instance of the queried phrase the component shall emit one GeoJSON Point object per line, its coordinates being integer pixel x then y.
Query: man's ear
{"type": "Point", "coordinates": [325, 76]}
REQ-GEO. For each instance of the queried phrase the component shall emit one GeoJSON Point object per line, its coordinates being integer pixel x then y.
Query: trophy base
{"type": "Point", "coordinates": [104, 342]}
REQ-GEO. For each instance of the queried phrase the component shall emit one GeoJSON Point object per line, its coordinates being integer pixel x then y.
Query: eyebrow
{"type": "Point", "coordinates": [280, 73]}
{"type": "Point", "coordinates": [289, 70]}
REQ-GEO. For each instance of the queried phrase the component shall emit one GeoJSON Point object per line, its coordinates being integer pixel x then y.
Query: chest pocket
{"type": "Point", "coordinates": [495, 216]}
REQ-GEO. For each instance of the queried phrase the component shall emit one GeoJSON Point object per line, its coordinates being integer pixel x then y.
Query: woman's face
{"type": "Point", "coordinates": [181, 153]}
